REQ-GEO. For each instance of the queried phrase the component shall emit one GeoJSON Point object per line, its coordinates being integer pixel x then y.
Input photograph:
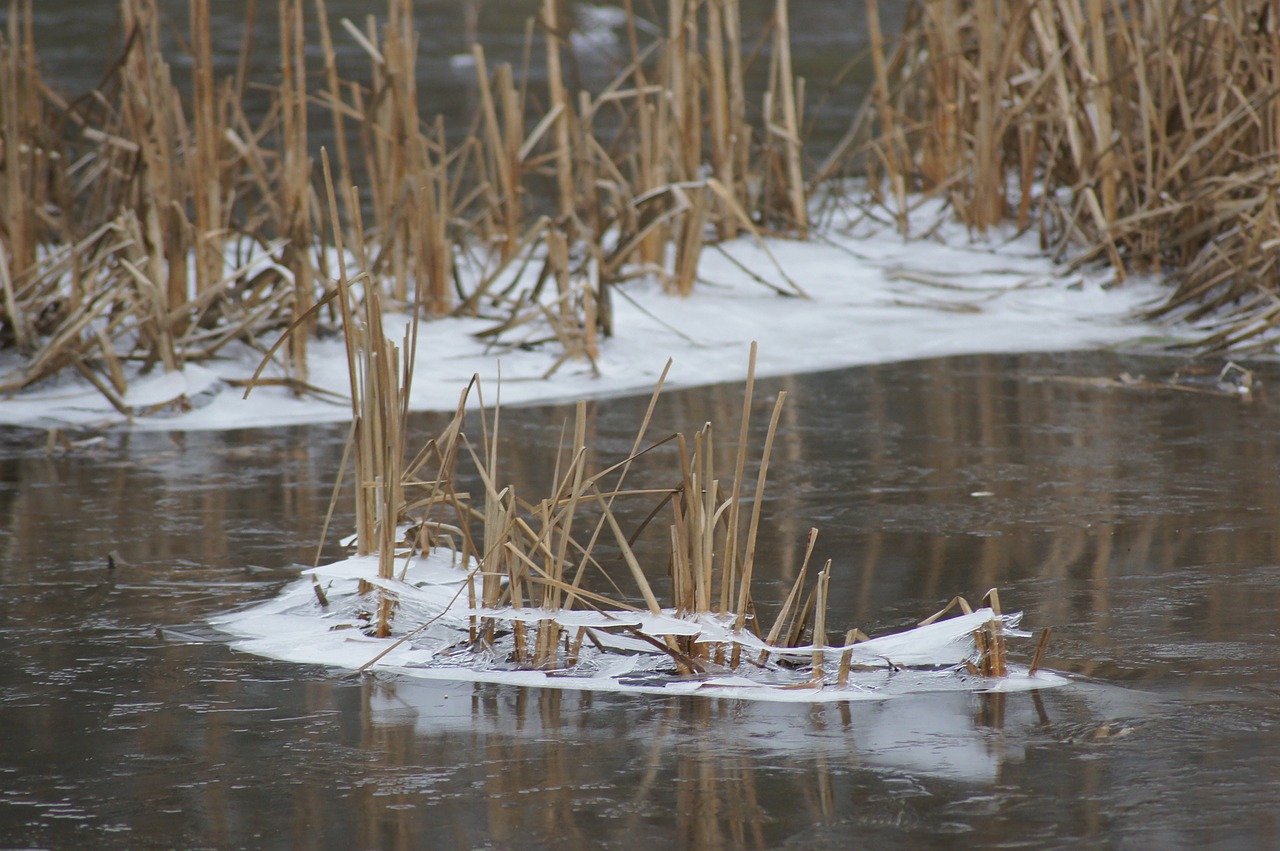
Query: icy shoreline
{"type": "Point", "coordinates": [872, 298]}
{"type": "Point", "coordinates": [432, 597]}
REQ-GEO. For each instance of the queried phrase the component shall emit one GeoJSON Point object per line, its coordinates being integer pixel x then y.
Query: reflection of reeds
{"type": "Point", "coordinates": [144, 224]}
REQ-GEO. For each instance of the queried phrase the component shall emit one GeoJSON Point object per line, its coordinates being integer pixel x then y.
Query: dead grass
{"type": "Point", "coordinates": [148, 226]}
{"type": "Point", "coordinates": [569, 549]}
{"type": "Point", "coordinates": [1142, 135]}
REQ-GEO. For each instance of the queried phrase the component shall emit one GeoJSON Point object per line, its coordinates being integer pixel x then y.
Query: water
{"type": "Point", "coordinates": [77, 41]}
{"type": "Point", "coordinates": [1140, 525]}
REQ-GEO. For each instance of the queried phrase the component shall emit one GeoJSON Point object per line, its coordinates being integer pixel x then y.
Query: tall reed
{"type": "Point", "coordinates": [1144, 135]}
{"type": "Point", "coordinates": [166, 225]}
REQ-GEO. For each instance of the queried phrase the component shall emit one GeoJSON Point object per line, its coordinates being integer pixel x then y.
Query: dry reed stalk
{"type": "Point", "coordinates": [892, 152]}
{"type": "Point", "coordinates": [846, 658]}
{"type": "Point", "coordinates": [1038, 656]}
{"type": "Point", "coordinates": [994, 663]}
{"type": "Point", "coordinates": [781, 624]}
{"type": "Point", "coordinates": [696, 518]}
{"type": "Point", "coordinates": [725, 125]}
{"type": "Point", "coordinates": [941, 145]}
{"type": "Point", "coordinates": [782, 123]}
{"type": "Point", "coordinates": [29, 155]}
{"type": "Point", "coordinates": [637, 572]}
{"type": "Point", "coordinates": [753, 528]}
{"type": "Point", "coordinates": [296, 204]}
{"type": "Point", "coordinates": [954, 602]}
{"type": "Point", "coordinates": [152, 118]}
{"type": "Point", "coordinates": [333, 98]}
{"type": "Point", "coordinates": [211, 220]}
{"type": "Point", "coordinates": [554, 541]}
{"type": "Point", "coordinates": [820, 623]}
{"type": "Point", "coordinates": [987, 207]}
{"type": "Point", "coordinates": [689, 238]}
{"type": "Point", "coordinates": [562, 107]}
{"type": "Point", "coordinates": [503, 153]}
{"type": "Point", "coordinates": [409, 169]}
{"type": "Point", "coordinates": [342, 288]}
{"type": "Point", "coordinates": [731, 565]}
{"type": "Point", "coordinates": [681, 59]}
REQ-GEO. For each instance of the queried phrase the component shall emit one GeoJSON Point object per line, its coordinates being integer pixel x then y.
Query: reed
{"type": "Point", "coordinates": [532, 558]}
{"type": "Point", "coordinates": [533, 555]}
{"type": "Point", "coordinates": [30, 156]}
{"type": "Point", "coordinates": [296, 198]}
{"type": "Point", "coordinates": [1143, 136]}
{"type": "Point", "coordinates": [146, 226]}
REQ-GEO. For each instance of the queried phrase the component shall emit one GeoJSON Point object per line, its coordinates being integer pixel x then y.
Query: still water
{"type": "Point", "coordinates": [1141, 524]}
{"type": "Point", "coordinates": [78, 39]}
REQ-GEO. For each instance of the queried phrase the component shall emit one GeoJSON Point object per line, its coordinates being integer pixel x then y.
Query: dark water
{"type": "Point", "coordinates": [1140, 524]}
{"type": "Point", "coordinates": [77, 40]}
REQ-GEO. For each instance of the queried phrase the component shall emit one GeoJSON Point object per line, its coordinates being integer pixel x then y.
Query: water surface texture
{"type": "Point", "coordinates": [78, 40]}
{"type": "Point", "coordinates": [1139, 523]}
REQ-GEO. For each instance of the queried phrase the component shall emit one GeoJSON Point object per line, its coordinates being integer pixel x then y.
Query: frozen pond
{"type": "Point", "coordinates": [1140, 524]}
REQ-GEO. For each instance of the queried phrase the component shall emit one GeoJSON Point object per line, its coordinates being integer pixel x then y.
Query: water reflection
{"type": "Point", "coordinates": [711, 773]}
{"type": "Point", "coordinates": [1141, 525]}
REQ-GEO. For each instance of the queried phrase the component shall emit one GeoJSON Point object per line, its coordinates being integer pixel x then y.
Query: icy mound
{"type": "Point", "coordinates": [441, 636]}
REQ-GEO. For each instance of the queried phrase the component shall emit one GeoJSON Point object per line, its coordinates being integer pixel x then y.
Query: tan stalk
{"type": "Point", "coordinates": [820, 623]}
{"type": "Point", "coordinates": [749, 551]}
{"type": "Point", "coordinates": [729, 568]}
{"type": "Point", "coordinates": [295, 202]}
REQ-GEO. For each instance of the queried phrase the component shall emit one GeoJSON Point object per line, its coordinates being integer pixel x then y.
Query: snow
{"type": "Point", "coordinates": [432, 643]}
{"type": "Point", "coordinates": [871, 298]}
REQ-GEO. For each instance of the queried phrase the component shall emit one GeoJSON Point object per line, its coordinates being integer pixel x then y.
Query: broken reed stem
{"type": "Point", "coordinates": [994, 663]}
{"type": "Point", "coordinates": [1038, 656]}
{"type": "Point", "coordinates": [820, 623]}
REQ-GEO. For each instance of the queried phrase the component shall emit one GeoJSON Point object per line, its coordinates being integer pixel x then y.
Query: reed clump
{"type": "Point", "coordinates": [552, 577]}
{"type": "Point", "coordinates": [1146, 133]}
{"type": "Point", "coordinates": [147, 225]}
{"type": "Point", "coordinates": [536, 567]}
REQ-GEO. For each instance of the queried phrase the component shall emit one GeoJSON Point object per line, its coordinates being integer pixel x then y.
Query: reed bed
{"type": "Point", "coordinates": [535, 564]}
{"type": "Point", "coordinates": [1146, 133]}
{"type": "Point", "coordinates": [145, 226]}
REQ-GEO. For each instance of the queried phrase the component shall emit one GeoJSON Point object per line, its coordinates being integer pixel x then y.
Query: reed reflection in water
{"type": "Point", "coordinates": [699, 773]}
